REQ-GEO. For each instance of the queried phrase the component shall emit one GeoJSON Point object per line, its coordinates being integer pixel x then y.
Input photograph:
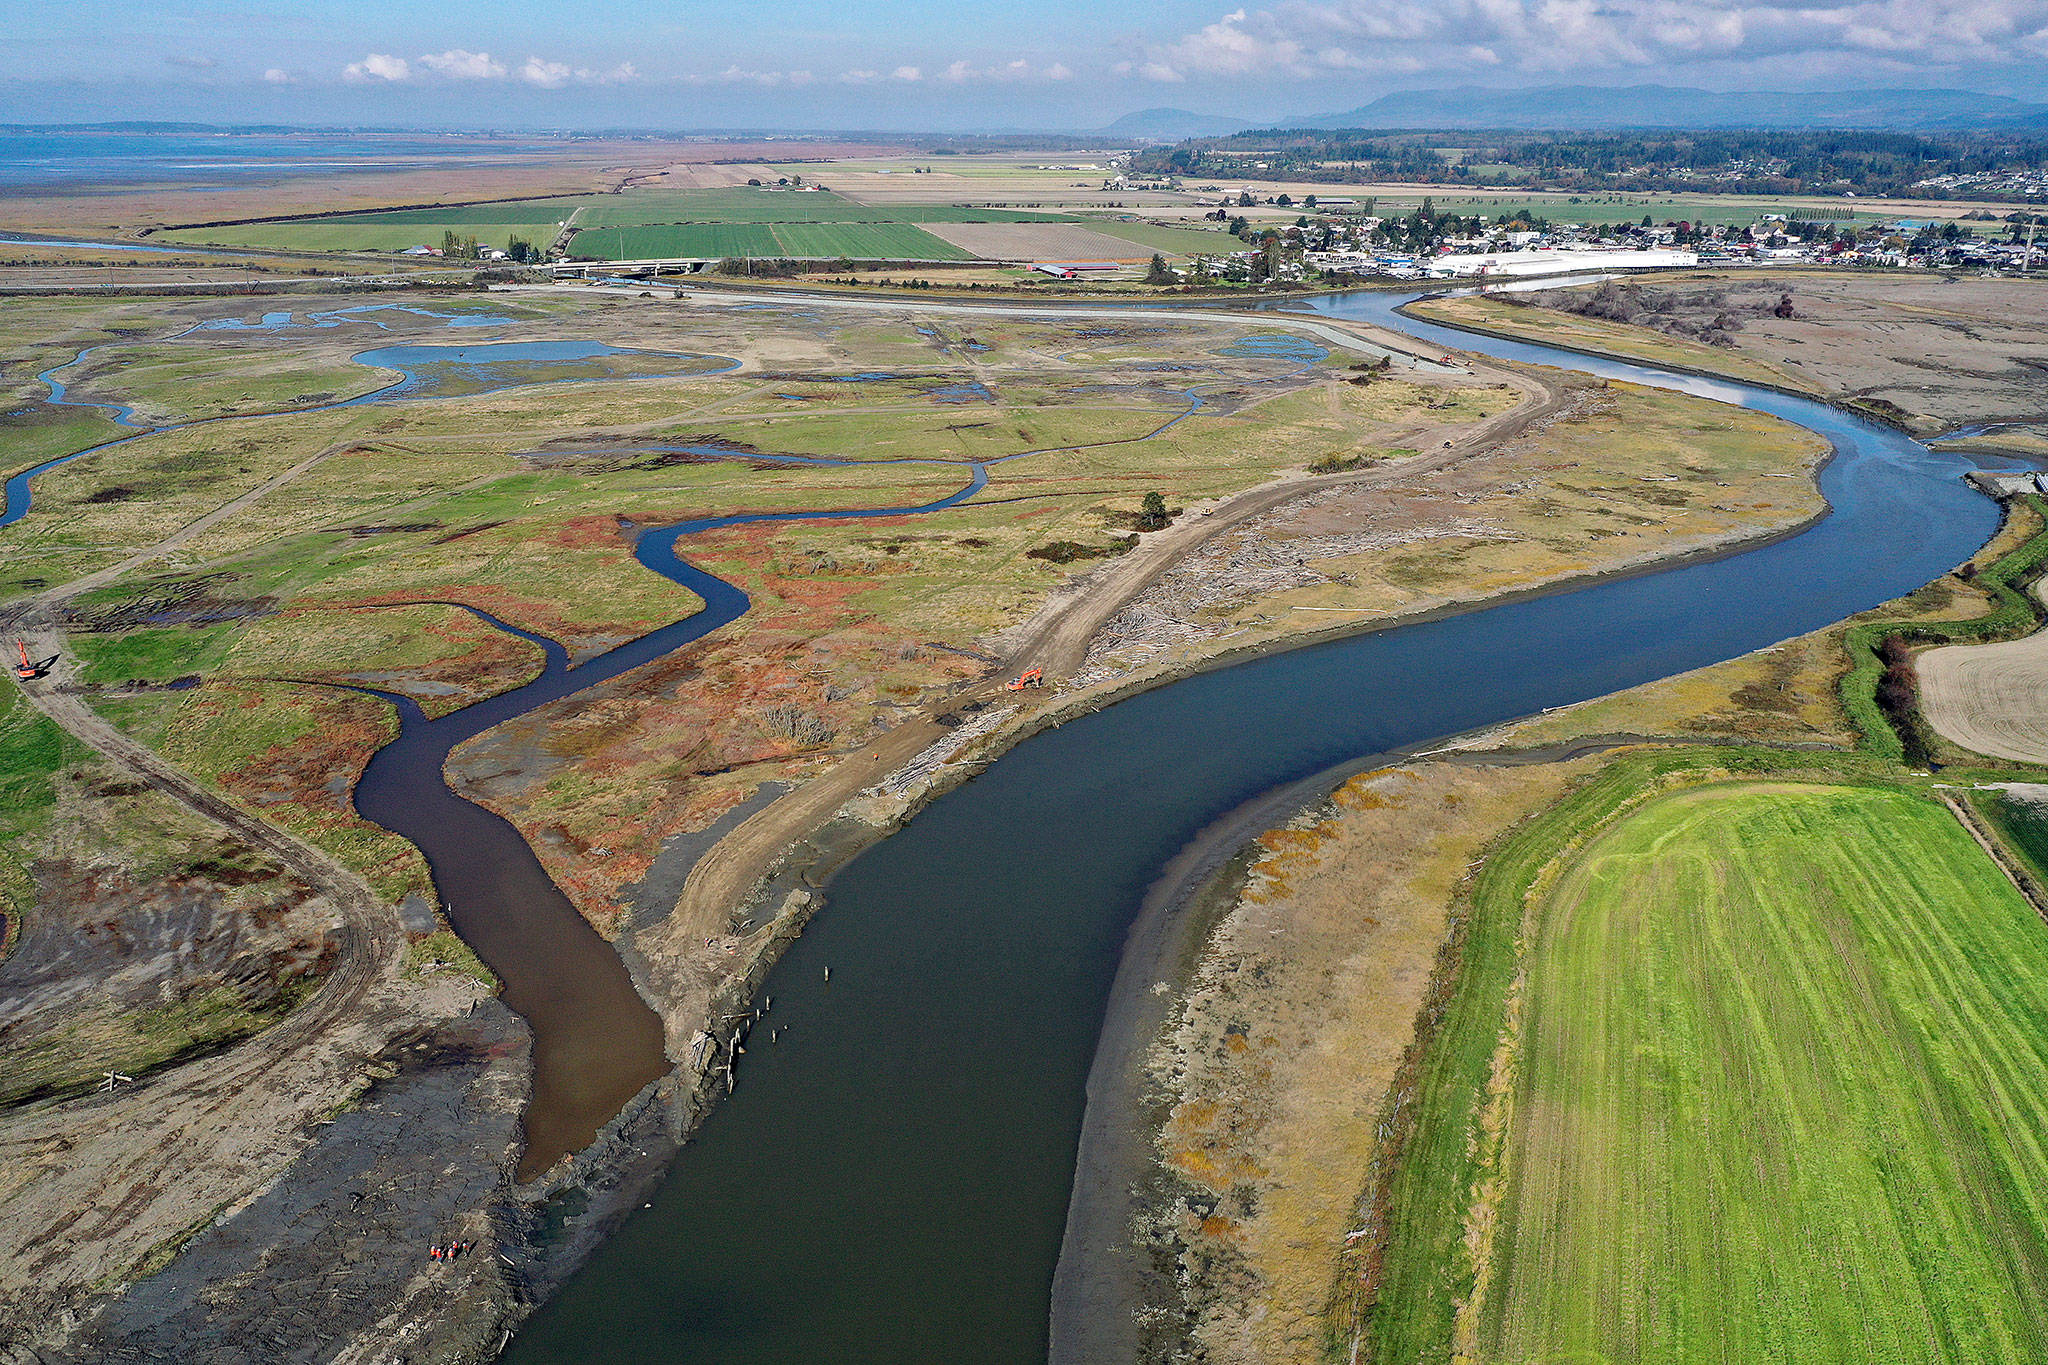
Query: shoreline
{"type": "Point", "coordinates": [797, 881]}
{"type": "Point", "coordinates": [1826, 396]}
{"type": "Point", "coordinates": [636, 1148]}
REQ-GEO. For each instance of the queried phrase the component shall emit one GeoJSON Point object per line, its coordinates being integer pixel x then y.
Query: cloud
{"type": "Point", "coordinates": [191, 63]}
{"type": "Point", "coordinates": [277, 75]}
{"type": "Point", "coordinates": [959, 73]}
{"type": "Point", "coordinates": [1311, 39]}
{"type": "Point", "coordinates": [906, 73]}
{"type": "Point", "coordinates": [545, 74]}
{"type": "Point", "coordinates": [460, 64]}
{"type": "Point", "coordinates": [463, 65]}
{"type": "Point", "coordinates": [377, 66]}
{"type": "Point", "coordinates": [738, 75]}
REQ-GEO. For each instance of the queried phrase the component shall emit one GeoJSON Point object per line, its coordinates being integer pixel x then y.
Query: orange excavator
{"type": "Point", "coordinates": [1031, 678]}
{"type": "Point", "coordinates": [26, 669]}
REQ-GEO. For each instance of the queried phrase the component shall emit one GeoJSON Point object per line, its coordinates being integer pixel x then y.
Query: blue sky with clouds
{"type": "Point", "coordinates": [948, 64]}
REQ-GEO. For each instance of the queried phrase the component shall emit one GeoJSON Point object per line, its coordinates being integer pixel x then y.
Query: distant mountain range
{"type": "Point", "coordinates": [1664, 106]}
{"type": "Point", "coordinates": [1173, 125]}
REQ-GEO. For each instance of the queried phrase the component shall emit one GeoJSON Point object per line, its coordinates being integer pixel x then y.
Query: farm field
{"type": "Point", "coordinates": [1042, 241]}
{"type": "Point", "coordinates": [1172, 240]}
{"type": "Point", "coordinates": [1776, 1093]}
{"type": "Point", "coordinates": [864, 241]}
{"type": "Point", "coordinates": [755, 222]}
{"type": "Point", "coordinates": [348, 234]}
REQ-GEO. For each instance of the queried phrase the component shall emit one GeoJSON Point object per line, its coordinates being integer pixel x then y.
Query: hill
{"type": "Point", "coordinates": [1664, 106]}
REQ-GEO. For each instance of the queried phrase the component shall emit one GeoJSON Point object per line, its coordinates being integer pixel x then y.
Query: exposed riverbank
{"type": "Point", "coordinates": [729, 962]}
{"type": "Point", "coordinates": [724, 1201]}
{"type": "Point", "coordinates": [812, 838]}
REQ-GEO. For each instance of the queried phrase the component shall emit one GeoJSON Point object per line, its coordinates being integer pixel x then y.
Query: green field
{"type": "Point", "coordinates": [1174, 240]}
{"type": "Point", "coordinates": [344, 234]}
{"type": "Point", "coordinates": [532, 212]}
{"type": "Point", "coordinates": [861, 241]}
{"type": "Point", "coordinates": [1780, 1093]}
{"type": "Point", "coordinates": [2024, 824]}
{"type": "Point", "coordinates": [689, 217]}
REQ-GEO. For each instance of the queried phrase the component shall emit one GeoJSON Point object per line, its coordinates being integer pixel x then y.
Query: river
{"type": "Point", "coordinates": [890, 1181]}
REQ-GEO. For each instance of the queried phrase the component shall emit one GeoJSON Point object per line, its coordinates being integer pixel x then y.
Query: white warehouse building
{"type": "Point", "coordinates": [1520, 263]}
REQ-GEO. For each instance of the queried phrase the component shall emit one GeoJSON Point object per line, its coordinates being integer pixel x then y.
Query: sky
{"type": "Point", "coordinates": [948, 65]}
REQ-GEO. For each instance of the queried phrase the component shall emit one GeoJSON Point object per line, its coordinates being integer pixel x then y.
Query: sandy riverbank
{"type": "Point", "coordinates": [704, 976]}
{"type": "Point", "coordinates": [700, 967]}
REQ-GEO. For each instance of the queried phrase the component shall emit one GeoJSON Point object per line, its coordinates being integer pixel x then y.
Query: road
{"type": "Point", "coordinates": [1056, 638]}
{"type": "Point", "coordinates": [93, 1180]}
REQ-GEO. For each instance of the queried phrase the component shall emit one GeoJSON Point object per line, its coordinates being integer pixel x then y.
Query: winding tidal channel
{"type": "Point", "coordinates": [891, 1180]}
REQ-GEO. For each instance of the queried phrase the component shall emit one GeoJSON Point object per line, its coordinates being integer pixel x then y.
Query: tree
{"type": "Point", "coordinates": [1238, 226]}
{"type": "Point", "coordinates": [1245, 200]}
{"type": "Point", "coordinates": [1152, 513]}
{"type": "Point", "coordinates": [1309, 200]}
{"type": "Point", "coordinates": [1285, 201]}
{"type": "Point", "coordinates": [1159, 273]}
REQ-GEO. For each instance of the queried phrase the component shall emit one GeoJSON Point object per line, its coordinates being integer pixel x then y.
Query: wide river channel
{"type": "Point", "coordinates": [890, 1181]}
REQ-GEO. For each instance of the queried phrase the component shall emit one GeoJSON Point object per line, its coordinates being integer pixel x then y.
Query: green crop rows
{"type": "Point", "coordinates": [758, 222]}
{"type": "Point", "coordinates": [1777, 1092]}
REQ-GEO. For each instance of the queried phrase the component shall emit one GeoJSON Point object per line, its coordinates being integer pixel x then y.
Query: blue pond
{"type": "Point", "coordinates": [428, 371]}
{"type": "Point", "coordinates": [9, 239]}
{"type": "Point", "coordinates": [488, 366]}
{"type": "Point", "coordinates": [1298, 349]}
{"type": "Point", "coordinates": [334, 317]}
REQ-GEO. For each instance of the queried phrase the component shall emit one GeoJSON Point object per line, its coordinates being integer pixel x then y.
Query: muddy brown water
{"type": "Point", "coordinates": [596, 1042]}
{"type": "Point", "coordinates": [890, 1182]}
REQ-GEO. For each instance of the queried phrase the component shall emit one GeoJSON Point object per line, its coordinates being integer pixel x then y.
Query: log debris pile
{"type": "Point", "coordinates": [1198, 600]}
{"type": "Point", "coordinates": [928, 763]}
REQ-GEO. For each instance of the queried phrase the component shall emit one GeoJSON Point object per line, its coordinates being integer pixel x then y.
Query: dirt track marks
{"type": "Point", "coordinates": [96, 1182]}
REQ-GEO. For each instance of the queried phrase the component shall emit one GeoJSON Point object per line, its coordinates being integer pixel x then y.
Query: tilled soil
{"type": "Point", "coordinates": [1987, 698]}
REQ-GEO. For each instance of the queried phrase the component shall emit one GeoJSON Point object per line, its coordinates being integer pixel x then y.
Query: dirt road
{"type": "Point", "coordinates": [1055, 638]}
{"type": "Point", "coordinates": [94, 1184]}
{"type": "Point", "coordinates": [94, 1187]}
